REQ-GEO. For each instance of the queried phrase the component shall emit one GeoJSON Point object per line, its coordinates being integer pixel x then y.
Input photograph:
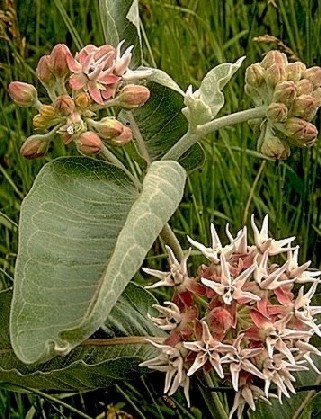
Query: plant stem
{"type": "Point", "coordinates": [213, 401]}
{"type": "Point", "coordinates": [139, 138]}
{"type": "Point", "coordinates": [169, 238]}
{"type": "Point", "coordinates": [111, 158]}
{"type": "Point", "coordinates": [190, 138]}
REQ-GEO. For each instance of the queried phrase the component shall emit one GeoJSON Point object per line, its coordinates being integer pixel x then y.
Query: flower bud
{"type": "Point", "coordinates": [313, 74]}
{"type": "Point", "coordinates": [89, 143]}
{"type": "Point", "coordinates": [132, 96]}
{"type": "Point", "coordinates": [125, 137]}
{"type": "Point", "coordinates": [23, 94]}
{"type": "Point", "coordinates": [109, 127]}
{"type": "Point", "coordinates": [317, 96]}
{"type": "Point", "coordinates": [305, 106]}
{"type": "Point", "coordinates": [82, 100]}
{"type": "Point", "coordinates": [255, 75]}
{"type": "Point", "coordinates": [277, 112]}
{"type": "Point", "coordinates": [34, 147]}
{"type": "Point", "coordinates": [46, 117]}
{"type": "Point", "coordinates": [302, 132]}
{"type": "Point", "coordinates": [274, 148]}
{"type": "Point", "coordinates": [275, 74]}
{"type": "Point", "coordinates": [58, 60]}
{"type": "Point", "coordinates": [44, 71]}
{"type": "Point", "coordinates": [284, 92]}
{"type": "Point", "coordinates": [64, 105]}
{"type": "Point", "coordinates": [295, 70]}
{"type": "Point", "coordinates": [304, 87]}
{"type": "Point", "coordinates": [274, 57]}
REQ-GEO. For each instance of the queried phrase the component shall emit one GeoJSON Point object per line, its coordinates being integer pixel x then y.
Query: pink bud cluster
{"type": "Point", "coordinates": [292, 94]}
{"type": "Point", "coordinates": [256, 327]}
{"type": "Point", "coordinates": [78, 86]}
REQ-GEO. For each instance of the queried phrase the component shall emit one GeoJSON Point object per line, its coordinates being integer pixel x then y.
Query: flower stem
{"type": "Point", "coordinates": [139, 138]}
{"type": "Point", "coordinates": [190, 138]}
{"type": "Point", "coordinates": [169, 238]}
{"type": "Point", "coordinates": [213, 400]}
{"type": "Point", "coordinates": [111, 158]}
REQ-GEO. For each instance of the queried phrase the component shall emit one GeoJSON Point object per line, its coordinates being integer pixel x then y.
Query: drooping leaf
{"type": "Point", "coordinates": [84, 231]}
{"type": "Point", "coordinates": [163, 78]}
{"type": "Point", "coordinates": [120, 21]}
{"type": "Point", "coordinates": [204, 104]}
{"type": "Point", "coordinates": [162, 124]}
{"type": "Point", "coordinates": [96, 363]}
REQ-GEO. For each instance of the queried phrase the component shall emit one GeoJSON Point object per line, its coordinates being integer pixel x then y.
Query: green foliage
{"type": "Point", "coordinates": [84, 231]}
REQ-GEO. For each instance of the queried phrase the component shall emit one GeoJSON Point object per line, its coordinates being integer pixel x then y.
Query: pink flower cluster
{"type": "Point", "coordinates": [258, 322]}
{"type": "Point", "coordinates": [78, 86]}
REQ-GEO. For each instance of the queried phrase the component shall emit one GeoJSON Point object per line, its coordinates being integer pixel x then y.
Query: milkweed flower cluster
{"type": "Point", "coordinates": [78, 86]}
{"type": "Point", "coordinates": [292, 94]}
{"type": "Point", "coordinates": [259, 319]}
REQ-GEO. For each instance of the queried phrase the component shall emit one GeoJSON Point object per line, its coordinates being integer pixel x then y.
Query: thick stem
{"type": "Point", "coordinates": [190, 139]}
{"type": "Point", "coordinates": [139, 138]}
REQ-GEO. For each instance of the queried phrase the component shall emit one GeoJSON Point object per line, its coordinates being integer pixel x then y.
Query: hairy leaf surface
{"type": "Point", "coordinates": [84, 231]}
{"type": "Point", "coordinates": [120, 21]}
{"type": "Point", "coordinates": [96, 363]}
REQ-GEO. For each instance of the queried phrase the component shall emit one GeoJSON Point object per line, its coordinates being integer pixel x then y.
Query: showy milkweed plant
{"type": "Point", "coordinates": [243, 320]}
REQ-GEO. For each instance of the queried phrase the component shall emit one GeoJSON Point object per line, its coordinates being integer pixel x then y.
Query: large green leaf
{"type": "Point", "coordinates": [96, 363]}
{"type": "Point", "coordinates": [120, 21]}
{"type": "Point", "coordinates": [84, 231]}
{"type": "Point", "coordinates": [162, 124]}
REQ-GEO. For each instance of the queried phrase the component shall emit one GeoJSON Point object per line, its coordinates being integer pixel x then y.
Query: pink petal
{"type": "Point", "coordinates": [73, 65]}
{"type": "Point", "coordinates": [77, 81]}
{"type": "Point", "coordinates": [94, 93]}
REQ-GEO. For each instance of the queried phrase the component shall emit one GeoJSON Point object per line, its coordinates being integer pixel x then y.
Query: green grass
{"type": "Point", "coordinates": [186, 38]}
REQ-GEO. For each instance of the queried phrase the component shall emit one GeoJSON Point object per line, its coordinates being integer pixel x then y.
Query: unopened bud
{"type": "Point", "coordinates": [58, 60]}
{"type": "Point", "coordinates": [277, 112]}
{"type": "Point", "coordinates": [132, 96]}
{"type": "Point", "coordinates": [108, 127]}
{"type": "Point", "coordinates": [255, 75]}
{"type": "Point", "coordinates": [48, 111]}
{"type": "Point", "coordinates": [34, 147]}
{"type": "Point", "coordinates": [302, 132]}
{"type": "Point", "coordinates": [274, 148]}
{"type": "Point", "coordinates": [89, 143]}
{"type": "Point", "coordinates": [274, 57]}
{"type": "Point", "coordinates": [23, 94]}
{"type": "Point", "coordinates": [44, 71]}
{"type": "Point", "coordinates": [317, 96]}
{"type": "Point", "coordinates": [313, 74]}
{"type": "Point", "coordinates": [275, 74]}
{"type": "Point", "coordinates": [294, 71]}
{"type": "Point", "coordinates": [304, 87]}
{"type": "Point", "coordinates": [82, 100]}
{"type": "Point", "coordinates": [305, 106]}
{"type": "Point", "coordinates": [125, 137]}
{"type": "Point", "coordinates": [64, 105]}
{"type": "Point", "coordinates": [284, 92]}
{"type": "Point", "coordinates": [47, 116]}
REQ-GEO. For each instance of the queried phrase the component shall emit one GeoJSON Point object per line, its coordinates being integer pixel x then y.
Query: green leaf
{"type": "Point", "coordinates": [96, 363]}
{"type": "Point", "coordinates": [163, 78]}
{"type": "Point", "coordinates": [84, 232]}
{"type": "Point", "coordinates": [299, 405]}
{"type": "Point", "coordinates": [120, 21]}
{"type": "Point", "coordinates": [205, 103]}
{"type": "Point", "coordinates": [162, 124]}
